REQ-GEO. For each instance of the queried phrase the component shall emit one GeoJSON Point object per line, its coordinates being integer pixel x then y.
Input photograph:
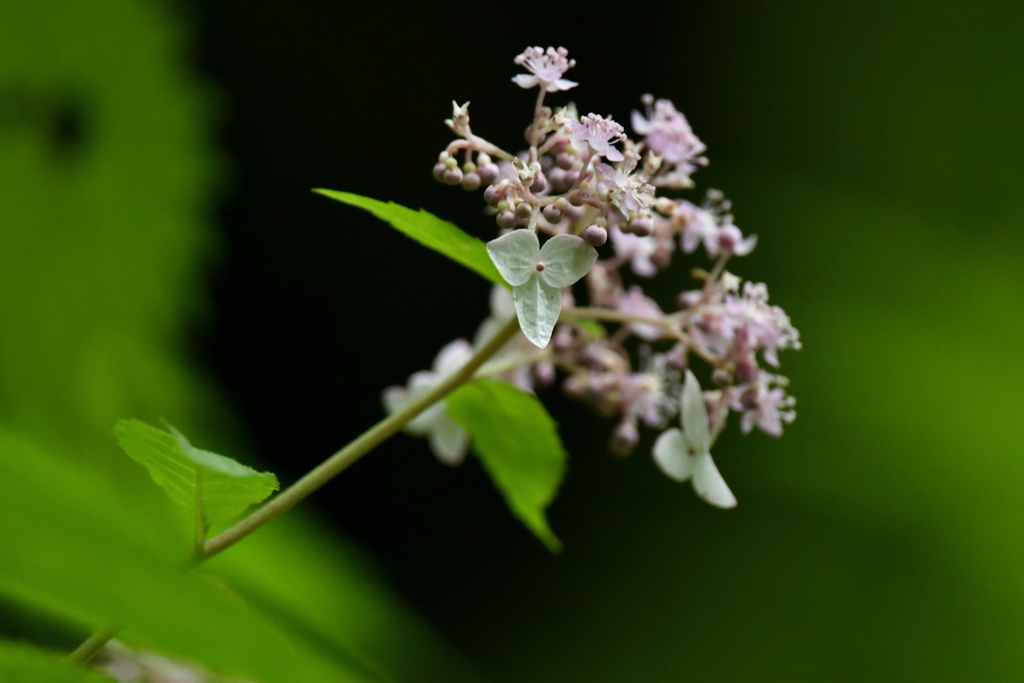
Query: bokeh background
{"type": "Point", "coordinates": [161, 256]}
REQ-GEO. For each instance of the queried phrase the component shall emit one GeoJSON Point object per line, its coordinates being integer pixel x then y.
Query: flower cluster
{"type": "Point", "coordinates": [581, 204]}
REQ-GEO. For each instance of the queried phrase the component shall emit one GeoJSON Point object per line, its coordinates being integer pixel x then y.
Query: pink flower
{"type": "Point", "coordinates": [634, 302]}
{"type": "Point", "coordinates": [764, 405]}
{"type": "Point", "coordinates": [669, 135]}
{"type": "Point", "coordinates": [546, 69]}
{"type": "Point", "coordinates": [637, 250]}
{"type": "Point", "coordinates": [599, 134]}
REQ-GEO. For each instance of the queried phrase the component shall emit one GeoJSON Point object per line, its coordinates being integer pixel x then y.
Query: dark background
{"type": "Point", "coordinates": [156, 161]}
{"type": "Point", "coordinates": [870, 147]}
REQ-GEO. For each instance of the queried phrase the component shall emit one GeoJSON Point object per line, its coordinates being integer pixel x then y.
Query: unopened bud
{"type": "Point", "coordinates": [624, 438]}
{"type": "Point", "coordinates": [493, 196]}
{"type": "Point", "coordinates": [595, 235]}
{"type": "Point", "coordinates": [470, 182]}
{"type": "Point", "coordinates": [552, 213]}
{"type": "Point", "coordinates": [642, 225]}
{"type": "Point", "coordinates": [664, 206]}
{"type": "Point", "coordinates": [524, 210]}
{"type": "Point", "coordinates": [488, 172]}
{"type": "Point", "coordinates": [438, 172]}
{"type": "Point", "coordinates": [452, 176]}
{"type": "Point", "coordinates": [661, 258]}
{"type": "Point", "coordinates": [746, 369]}
{"type": "Point", "coordinates": [506, 219]}
{"type": "Point", "coordinates": [540, 182]}
{"type": "Point", "coordinates": [687, 300]}
{"type": "Point", "coordinates": [749, 398]}
{"type": "Point", "coordinates": [721, 377]}
{"type": "Point", "coordinates": [543, 374]}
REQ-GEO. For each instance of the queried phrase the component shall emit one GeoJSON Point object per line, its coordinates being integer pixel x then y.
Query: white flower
{"type": "Point", "coordinates": [447, 439]}
{"type": "Point", "coordinates": [538, 274]}
{"type": "Point", "coordinates": [685, 454]}
{"type": "Point", "coordinates": [546, 68]}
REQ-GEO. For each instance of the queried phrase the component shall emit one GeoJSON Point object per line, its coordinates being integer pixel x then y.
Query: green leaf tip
{"type": "Point", "coordinates": [424, 227]}
{"type": "Point", "coordinates": [518, 444]}
{"type": "Point", "coordinates": [214, 486]}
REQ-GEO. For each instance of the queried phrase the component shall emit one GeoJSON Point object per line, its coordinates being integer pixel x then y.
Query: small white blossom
{"type": "Point", "coordinates": [538, 274]}
{"type": "Point", "coordinates": [546, 69]}
{"type": "Point", "coordinates": [447, 439]}
{"type": "Point", "coordinates": [686, 454]}
{"type": "Point", "coordinates": [599, 134]}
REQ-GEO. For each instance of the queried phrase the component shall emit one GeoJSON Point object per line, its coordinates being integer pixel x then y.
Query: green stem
{"type": "Point", "coordinates": [667, 324]}
{"type": "Point", "coordinates": [323, 472]}
{"type": "Point", "coordinates": [93, 644]}
{"type": "Point", "coordinates": [363, 444]}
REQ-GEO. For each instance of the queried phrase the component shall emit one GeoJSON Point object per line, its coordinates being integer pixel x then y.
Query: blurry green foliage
{"type": "Point", "coordinates": [107, 175]}
{"type": "Point", "coordinates": [24, 664]}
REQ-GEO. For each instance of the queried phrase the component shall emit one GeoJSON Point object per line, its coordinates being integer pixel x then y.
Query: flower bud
{"type": "Point", "coordinates": [524, 210]}
{"type": "Point", "coordinates": [540, 182]}
{"type": "Point", "coordinates": [543, 374]}
{"type": "Point", "coordinates": [506, 219]}
{"type": "Point", "coordinates": [749, 398]}
{"type": "Point", "coordinates": [439, 169]}
{"type": "Point", "coordinates": [721, 377]}
{"type": "Point", "coordinates": [488, 172]}
{"type": "Point", "coordinates": [625, 438]}
{"type": "Point", "coordinates": [746, 369]}
{"type": "Point", "coordinates": [470, 182]}
{"type": "Point", "coordinates": [452, 176]}
{"type": "Point", "coordinates": [661, 258]}
{"type": "Point", "coordinates": [642, 225]}
{"type": "Point", "coordinates": [552, 213]}
{"type": "Point", "coordinates": [493, 195]}
{"type": "Point", "coordinates": [595, 235]}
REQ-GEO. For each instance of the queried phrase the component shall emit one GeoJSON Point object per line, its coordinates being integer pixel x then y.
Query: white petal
{"type": "Point", "coordinates": [694, 415]}
{"type": "Point", "coordinates": [566, 259]}
{"type": "Point", "coordinates": [502, 305]}
{"type": "Point", "coordinates": [708, 483]}
{"type": "Point", "coordinates": [515, 255]}
{"type": "Point", "coordinates": [671, 454]}
{"type": "Point", "coordinates": [451, 357]}
{"type": "Point", "coordinates": [537, 306]}
{"type": "Point", "coordinates": [395, 398]}
{"type": "Point", "coordinates": [449, 441]}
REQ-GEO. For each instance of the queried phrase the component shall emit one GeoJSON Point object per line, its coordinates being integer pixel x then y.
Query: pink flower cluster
{"type": "Point", "coordinates": [622, 353]}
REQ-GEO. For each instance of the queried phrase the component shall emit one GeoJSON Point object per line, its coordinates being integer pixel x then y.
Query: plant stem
{"type": "Point", "coordinates": [93, 644]}
{"type": "Point", "coordinates": [667, 324]}
{"type": "Point", "coordinates": [363, 444]}
{"type": "Point", "coordinates": [322, 473]}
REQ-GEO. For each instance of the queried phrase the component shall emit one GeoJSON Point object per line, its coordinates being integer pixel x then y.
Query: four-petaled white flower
{"type": "Point", "coordinates": [538, 274]}
{"type": "Point", "coordinates": [686, 454]}
{"type": "Point", "coordinates": [447, 439]}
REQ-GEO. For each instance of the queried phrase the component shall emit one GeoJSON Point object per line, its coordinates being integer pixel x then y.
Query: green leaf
{"type": "Point", "coordinates": [74, 546]}
{"type": "Point", "coordinates": [517, 441]}
{"type": "Point", "coordinates": [24, 664]}
{"type": "Point", "coordinates": [215, 487]}
{"type": "Point", "coordinates": [443, 237]}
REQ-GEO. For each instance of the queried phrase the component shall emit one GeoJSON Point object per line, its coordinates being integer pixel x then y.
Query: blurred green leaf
{"type": "Point", "coordinates": [214, 486]}
{"type": "Point", "coordinates": [443, 237]}
{"type": "Point", "coordinates": [23, 664]}
{"type": "Point", "coordinates": [72, 546]}
{"type": "Point", "coordinates": [517, 441]}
